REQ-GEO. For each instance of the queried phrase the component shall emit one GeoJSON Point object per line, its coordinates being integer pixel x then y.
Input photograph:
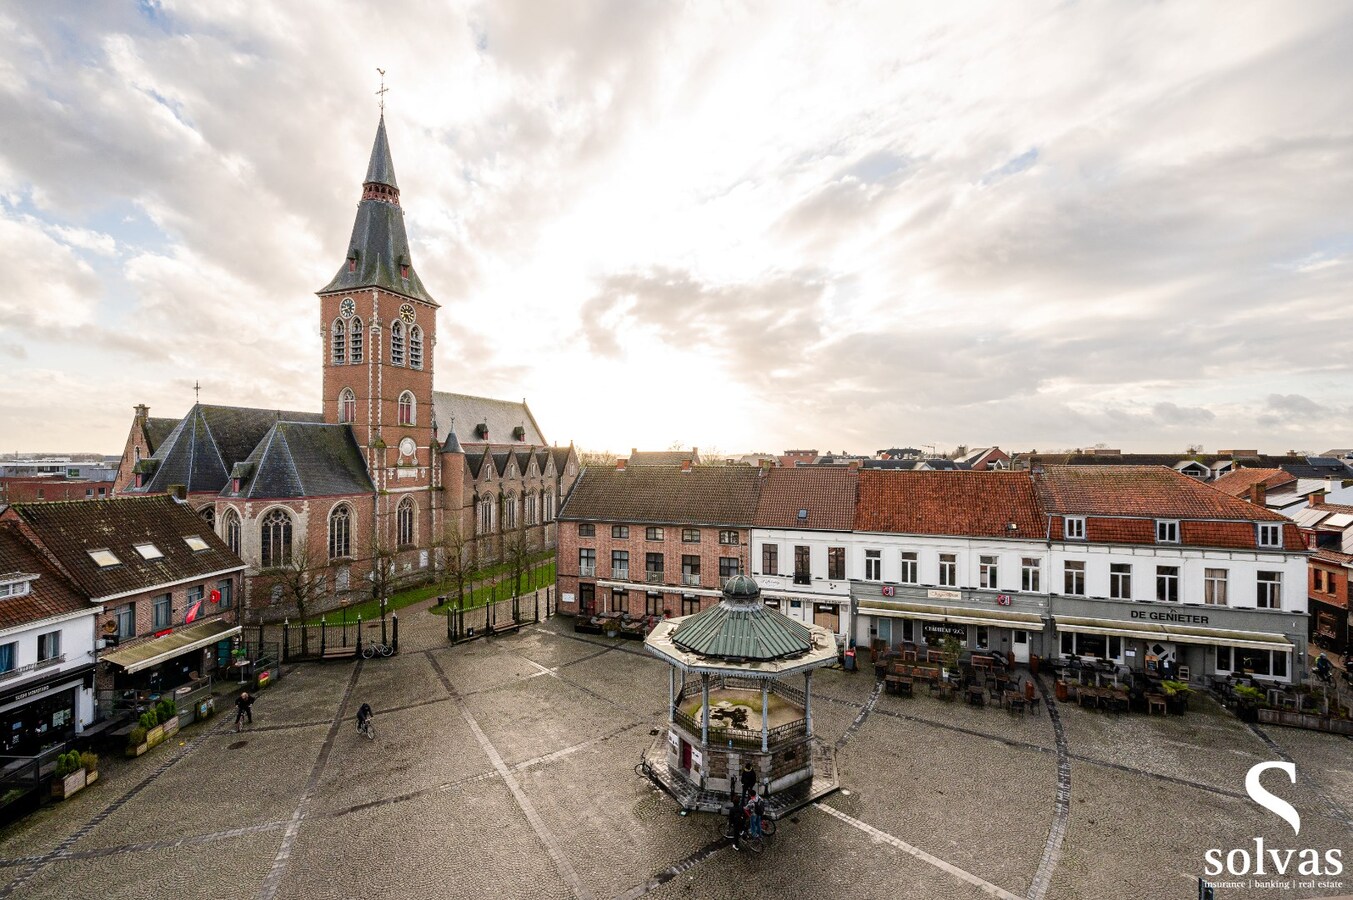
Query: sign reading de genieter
{"type": "Point", "coordinates": [1286, 868]}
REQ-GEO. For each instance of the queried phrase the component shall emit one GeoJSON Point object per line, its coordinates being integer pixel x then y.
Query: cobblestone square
{"type": "Point", "coordinates": [505, 768]}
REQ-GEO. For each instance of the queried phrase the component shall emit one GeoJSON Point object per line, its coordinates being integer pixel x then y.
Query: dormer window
{"type": "Point", "coordinates": [149, 551]}
{"type": "Point", "coordinates": [1167, 531]}
{"type": "Point", "coordinates": [15, 585]}
{"type": "Point", "coordinates": [1270, 534]}
{"type": "Point", "coordinates": [404, 271]}
{"type": "Point", "coordinates": [1073, 528]}
{"type": "Point", "coordinates": [104, 558]}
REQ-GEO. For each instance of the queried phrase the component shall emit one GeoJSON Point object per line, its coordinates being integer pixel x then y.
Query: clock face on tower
{"type": "Point", "coordinates": [407, 447]}
{"type": "Point", "coordinates": [347, 307]}
{"type": "Point", "coordinates": [406, 313]}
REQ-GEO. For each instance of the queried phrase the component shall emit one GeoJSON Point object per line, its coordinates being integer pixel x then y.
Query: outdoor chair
{"type": "Point", "coordinates": [1155, 702]}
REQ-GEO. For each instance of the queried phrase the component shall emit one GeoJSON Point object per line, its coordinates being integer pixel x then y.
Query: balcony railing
{"type": "Point", "coordinates": [33, 667]}
{"type": "Point", "coordinates": [690, 579]}
{"type": "Point", "coordinates": [620, 573]}
{"type": "Point", "coordinates": [803, 578]}
{"type": "Point", "coordinates": [655, 577]}
{"type": "Point", "coordinates": [587, 571]}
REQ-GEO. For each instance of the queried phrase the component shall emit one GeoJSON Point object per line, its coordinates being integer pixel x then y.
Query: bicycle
{"type": "Point", "coordinates": [754, 844]}
{"type": "Point", "coordinates": [371, 649]}
{"type": "Point", "coordinates": [367, 728]}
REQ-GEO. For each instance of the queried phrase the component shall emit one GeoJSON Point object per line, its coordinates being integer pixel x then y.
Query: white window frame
{"type": "Point", "coordinates": [988, 572]}
{"type": "Point", "coordinates": [1167, 531]}
{"type": "Point", "coordinates": [1030, 574]}
{"type": "Point", "coordinates": [910, 572]}
{"type": "Point", "coordinates": [873, 565]}
{"type": "Point", "coordinates": [1269, 534]}
{"type": "Point", "coordinates": [949, 568]}
{"type": "Point", "coordinates": [1215, 588]}
{"type": "Point", "coordinates": [1073, 528]}
{"type": "Point", "coordinates": [1077, 566]}
{"type": "Point", "coordinates": [1120, 583]}
{"type": "Point", "coordinates": [1268, 590]}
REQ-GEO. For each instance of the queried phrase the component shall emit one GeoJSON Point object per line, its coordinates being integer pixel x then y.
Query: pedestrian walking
{"type": "Point", "coordinates": [748, 780]}
{"type": "Point", "coordinates": [244, 709]}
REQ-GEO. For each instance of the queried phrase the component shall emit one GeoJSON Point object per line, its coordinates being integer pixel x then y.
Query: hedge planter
{"type": "Point", "coordinates": [73, 783]}
{"type": "Point", "coordinates": [155, 736]}
{"type": "Point", "coordinates": [1309, 721]}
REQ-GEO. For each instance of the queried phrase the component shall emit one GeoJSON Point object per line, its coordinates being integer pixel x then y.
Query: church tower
{"type": "Point", "coordinates": [380, 327]}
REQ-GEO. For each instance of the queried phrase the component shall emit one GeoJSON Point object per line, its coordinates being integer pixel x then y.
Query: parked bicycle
{"type": "Point", "coordinates": [372, 649]}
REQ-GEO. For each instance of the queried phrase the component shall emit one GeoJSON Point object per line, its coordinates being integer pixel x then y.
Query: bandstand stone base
{"type": "Point", "coordinates": [798, 775]}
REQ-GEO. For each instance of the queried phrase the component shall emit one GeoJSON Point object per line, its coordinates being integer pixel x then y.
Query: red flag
{"type": "Point", "coordinates": [192, 612]}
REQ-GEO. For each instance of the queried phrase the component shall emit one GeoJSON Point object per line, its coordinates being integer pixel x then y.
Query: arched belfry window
{"type": "Point", "coordinates": [275, 531]}
{"type": "Point", "coordinates": [340, 342]}
{"type": "Point", "coordinates": [404, 522]}
{"type": "Point", "coordinates": [415, 347]}
{"type": "Point", "coordinates": [355, 341]}
{"type": "Point", "coordinates": [208, 514]}
{"type": "Point", "coordinates": [347, 407]}
{"type": "Point", "coordinates": [407, 409]}
{"type": "Point", "coordinates": [340, 532]}
{"type": "Point", "coordinates": [397, 343]}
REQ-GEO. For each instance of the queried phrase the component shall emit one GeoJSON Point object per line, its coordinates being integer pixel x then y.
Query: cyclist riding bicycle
{"type": "Point", "coordinates": [364, 716]}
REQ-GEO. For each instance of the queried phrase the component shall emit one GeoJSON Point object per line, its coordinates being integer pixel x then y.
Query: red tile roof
{"type": "Point", "coordinates": [49, 595]}
{"type": "Point", "coordinates": [1238, 482]}
{"type": "Point", "coordinates": [972, 504]}
{"type": "Point", "coordinates": [1150, 491]}
{"type": "Point", "coordinates": [828, 493]}
{"type": "Point", "coordinates": [1334, 556]}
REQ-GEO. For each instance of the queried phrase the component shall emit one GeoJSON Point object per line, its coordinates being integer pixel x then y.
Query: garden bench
{"type": "Point", "coordinates": [339, 652]}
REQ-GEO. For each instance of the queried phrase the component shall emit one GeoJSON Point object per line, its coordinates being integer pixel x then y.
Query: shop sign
{"type": "Point", "coordinates": [674, 742]}
{"type": "Point", "coordinates": [33, 692]}
{"type": "Point", "coordinates": [697, 760]}
{"type": "Point", "coordinates": [944, 629]}
{"type": "Point", "coordinates": [1158, 616]}
{"type": "Point", "coordinates": [889, 590]}
{"type": "Point", "coordinates": [215, 596]}
{"type": "Point", "coordinates": [263, 678]}
{"type": "Point", "coordinates": [1002, 599]}
{"type": "Point", "coordinates": [937, 594]}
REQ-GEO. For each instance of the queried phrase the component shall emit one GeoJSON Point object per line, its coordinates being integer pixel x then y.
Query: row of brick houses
{"type": "Point", "coordinates": [1143, 566]}
{"type": "Point", "coordinates": [114, 595]}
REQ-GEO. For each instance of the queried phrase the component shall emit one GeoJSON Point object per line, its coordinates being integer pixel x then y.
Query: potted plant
{"type": "Point", "coordinates": [166, 711]}
{"type": "Point", "coordinates": [1176, 696]}
{"type": "Point", "coordinates": [70, 775]}
{"type": "Point", "coordinates": [136, 741]}
{"type": "Point", "coordinates": [952, 650]}
{"type": "Point", "coordinates": [1247, 702]}
{"type": "Point", "coordinates": [90, 762]}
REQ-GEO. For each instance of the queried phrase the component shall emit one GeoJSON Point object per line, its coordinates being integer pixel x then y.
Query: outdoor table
{"type": "Point", "coordinates": [1155, 701]}
{"type": "Point", "coordinates": [975, 695]}
{"type": "Point", "coordinates": [1014, 701]}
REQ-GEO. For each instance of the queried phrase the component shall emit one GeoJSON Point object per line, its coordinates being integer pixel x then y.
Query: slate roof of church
{"type": "Point", "coordinates": [379, 245]}
{"type": "Point", "coordinates": [68, 530]}
{"type": "Point", "coordinates": [206, 443]}
{"type": "Point", "coordinates": [464, 413]}
{"type": "Point", "coordinates": [49, 595]}
{"type": "Point", "coordinates": [303, 459]}
{"type": "Point", "coordinates": [157, 429]}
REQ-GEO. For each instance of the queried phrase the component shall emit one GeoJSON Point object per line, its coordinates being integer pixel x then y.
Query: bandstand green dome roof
{"type": "Point", "coordinates": [742, 627]}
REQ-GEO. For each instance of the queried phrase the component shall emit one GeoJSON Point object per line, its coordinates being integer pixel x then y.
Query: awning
{"type": "Point", "coordinates": [1185, 634]}
{"type": "Point", "coordinates": [960, 615]}
{"type": "Point", "coordinates": [148, 653]}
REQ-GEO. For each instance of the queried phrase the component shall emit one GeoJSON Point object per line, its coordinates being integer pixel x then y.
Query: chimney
{"type": "Point", "coordinates": [620, 463]}
{"type": "Point", "coordinates": [1259, 493]}
{"type": "Point", "coordinates": [1315, 499]}
{"type": "Point", "coordinates": [179, 492]}
{"type": "Point", "coordinates": [142, 412]}
{"type": "Point", "coordinates": [853, 464]}
{"type": "Point", "coordinates": [686, 465]}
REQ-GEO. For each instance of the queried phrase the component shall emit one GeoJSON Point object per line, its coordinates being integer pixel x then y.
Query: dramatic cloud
{"type": "Point", "coordinates": [747, 227]}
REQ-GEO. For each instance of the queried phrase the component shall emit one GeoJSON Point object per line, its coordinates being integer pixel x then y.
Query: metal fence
{"type": "Point", "coordinates": [342, 639]}
{"type": "Point", "coordinates": [497, 616]}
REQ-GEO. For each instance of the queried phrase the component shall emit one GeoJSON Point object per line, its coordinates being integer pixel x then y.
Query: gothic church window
{"type": "Point", "coordinates": [340, 342]}
{"type": "Point", "coordinates": [406, 409]}
{"type": "Point", "coordinates": [397, 343]}
{"type": "Point", "coordinates": [484, 524]}
{"type": "Point", "coordinates": [415, 347]}
{"type": "Point", "coordinates": [275, 532]}
{"type": "Point", "coordinates": [355, 341]}
{"type": "Point", "coordinates": [208, 514]}
{"type": "Point", "coordinates": [347, 406]}
{"type": "Point", "coordinates": [404, 522]}
{"type": "Point", "coordinates": [232, 531]}
{"type": "Point", "coordinates": [340, 532]}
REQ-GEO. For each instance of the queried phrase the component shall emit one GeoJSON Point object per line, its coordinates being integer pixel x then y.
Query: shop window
{"type": "Point", "coordinates": [619, 600]}
{"type": "Point", "coordinates": [1251, 661]}
{"type": "Point", "coordinates": [587, 597]}
{"type": "Point", "coordinates": [653, 604]}
{"type": "Point", "coordinates": [983, 637]}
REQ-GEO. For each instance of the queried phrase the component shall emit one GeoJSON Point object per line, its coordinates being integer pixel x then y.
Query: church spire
{"type": "Point", "coordinates": [378, 251]}
{"type": "Point", "coordinates": [381, 169]}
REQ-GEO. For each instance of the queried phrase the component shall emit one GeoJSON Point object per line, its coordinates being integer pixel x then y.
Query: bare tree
{"type": "Point", "coordinates": [600, 458]}
{"type": "Point", "coordinates": [454, 550]}
{"type": "Point", "coordinates": [380, 552]}
{"type": "Point", "coordinates": [303, 579]}
{"type": "Point", "coordinates": [518, 556]}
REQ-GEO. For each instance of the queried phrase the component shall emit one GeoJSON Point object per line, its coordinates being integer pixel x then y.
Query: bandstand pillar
{"type": "Point", "coordinates": [704, 713]}
{"type": "Point", "coordinates": [671, 694]}
{"type": "Point", "coordinates": [765, 715]}
{"type": "Point", "coordinates": [807, 701]}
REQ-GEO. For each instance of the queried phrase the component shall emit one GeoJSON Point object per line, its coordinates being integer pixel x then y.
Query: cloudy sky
{"type": "Point", "coordinates": [744, 226]}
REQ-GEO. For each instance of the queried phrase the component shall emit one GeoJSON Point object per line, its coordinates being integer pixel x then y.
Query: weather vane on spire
{"type": "Point", "coordinates": [381, 92]}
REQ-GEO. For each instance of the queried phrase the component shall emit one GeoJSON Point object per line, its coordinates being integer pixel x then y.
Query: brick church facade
{"type": "Point", "coordinates": [390, 476]}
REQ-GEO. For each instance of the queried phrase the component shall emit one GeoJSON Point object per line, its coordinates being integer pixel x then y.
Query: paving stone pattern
{"type": "Point", "coordinates": [505, 768]}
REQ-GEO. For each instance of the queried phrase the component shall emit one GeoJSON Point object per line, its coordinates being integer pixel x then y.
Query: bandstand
{"type": "Point", "coordinates": [732, 699]}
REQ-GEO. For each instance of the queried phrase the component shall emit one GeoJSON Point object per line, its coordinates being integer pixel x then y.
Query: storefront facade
{"type": "Point", "coordinates": [1017, 624]}
{"type": "Point", "coordinates": [46, 710]}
